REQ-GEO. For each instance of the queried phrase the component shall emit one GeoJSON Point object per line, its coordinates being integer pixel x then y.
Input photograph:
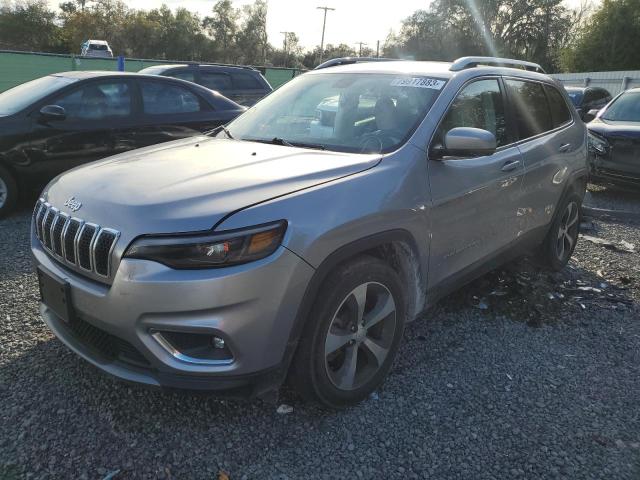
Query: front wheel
{"type": "Point", "coordinates": [8, 192]}
{"type": "Point", "coordinates": [561, 240]}
{"type": "Point", "coordinates": [352, 336]}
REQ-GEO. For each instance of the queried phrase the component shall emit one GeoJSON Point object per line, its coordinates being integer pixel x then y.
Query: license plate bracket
{"type": "Point", "coordinates": [55, 293]}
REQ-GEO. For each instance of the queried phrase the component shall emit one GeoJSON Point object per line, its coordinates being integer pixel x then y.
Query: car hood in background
{"type": "Point", "coordinates": [611, 129]}
{"type": "Point", "coordinates": [191, 184]}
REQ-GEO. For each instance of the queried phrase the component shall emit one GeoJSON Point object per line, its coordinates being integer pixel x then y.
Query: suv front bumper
{"type": "Point", "coordinates": [252, 307]}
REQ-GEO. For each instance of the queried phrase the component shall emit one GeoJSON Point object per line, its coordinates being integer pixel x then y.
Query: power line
{"type": "Point", "coordinates": [324, 24]}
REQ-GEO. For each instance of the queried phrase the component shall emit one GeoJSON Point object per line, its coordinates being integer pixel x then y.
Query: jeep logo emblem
{"type": "Point", "coordinates": [73, 204]}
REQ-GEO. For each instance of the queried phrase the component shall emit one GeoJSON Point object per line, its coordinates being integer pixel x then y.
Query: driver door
{"type": "Point", "coordinates": [475, 199]}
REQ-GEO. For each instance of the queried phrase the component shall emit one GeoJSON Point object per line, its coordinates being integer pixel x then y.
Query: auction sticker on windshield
{"type": "Point", "coordinates": [418, 82]}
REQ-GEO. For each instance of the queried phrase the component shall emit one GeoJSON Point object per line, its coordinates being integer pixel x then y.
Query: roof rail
{"type": "Point", "coordinates": [471, 62]}
{"type": "Point", "coordinates": [334, 62]}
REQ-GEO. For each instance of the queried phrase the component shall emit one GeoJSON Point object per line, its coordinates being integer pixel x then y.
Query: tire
{"type": "Point", "coordinates": [560, 242]}
{"type": "Point", "coordinates": [331, 342]}
{"type": "Point", "coordinates": [8, 192]}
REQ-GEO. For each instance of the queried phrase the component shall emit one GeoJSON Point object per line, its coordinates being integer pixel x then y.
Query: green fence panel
{"type": "Point", "coordinates": [20, 67]}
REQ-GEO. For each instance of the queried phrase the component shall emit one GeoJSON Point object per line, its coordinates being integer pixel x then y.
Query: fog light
{"type": "Point", "coordinates": [218, 342]}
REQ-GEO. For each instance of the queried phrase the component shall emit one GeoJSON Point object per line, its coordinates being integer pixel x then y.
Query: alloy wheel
{"type": "Point", "coordinates": [567, 231]}
{"type": "Point", "coordinates": [360, 336]}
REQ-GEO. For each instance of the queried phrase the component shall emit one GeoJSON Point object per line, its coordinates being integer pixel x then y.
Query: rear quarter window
{"type": "Point", "coordinates": [560, 114]}
{"type": "Point", "coordinates": [245, 81]}
{"type": "Point", "coordinates": [530, 107]}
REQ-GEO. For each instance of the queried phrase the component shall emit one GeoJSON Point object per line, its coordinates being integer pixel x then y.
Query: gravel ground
{"type": "Point", "coordinates": [613, 197]}
{"type": "Point", "coordinates": [522, 374]}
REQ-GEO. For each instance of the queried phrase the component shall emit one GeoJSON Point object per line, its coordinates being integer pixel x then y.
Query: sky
{"type": "Point", "coordinates": [352, 21]}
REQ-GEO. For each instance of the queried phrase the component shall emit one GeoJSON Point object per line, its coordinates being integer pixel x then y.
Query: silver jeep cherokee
{"type": "Point", "coordinates": [299, 240]}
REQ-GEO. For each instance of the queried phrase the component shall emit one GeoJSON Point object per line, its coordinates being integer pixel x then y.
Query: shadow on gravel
{"type": "Point", "coordinates": [523, 291]}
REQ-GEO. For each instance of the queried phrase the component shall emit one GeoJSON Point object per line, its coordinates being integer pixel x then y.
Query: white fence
{"type": "Point", "coordinates": [614, 82]}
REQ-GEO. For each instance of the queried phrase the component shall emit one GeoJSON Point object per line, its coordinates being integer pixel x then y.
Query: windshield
{"type": "Point", "coordinates": [575, 96]}
{"type": "Point", "coordinates": [98, 46]}
{"type": "Point", "coordinates": [346, 112]}
{"type": "Point", "coordinates": [20, 97]}
{"type": "Point", "coordinates": [626, 108]}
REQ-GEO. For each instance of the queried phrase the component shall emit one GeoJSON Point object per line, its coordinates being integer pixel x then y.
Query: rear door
{"type": "Point", "coordinates": [170, 111]}
{"type": "Point", "coordinates": [548, 144]}
{"type": "Point", "coordinates": [475, 199]}
{"type": "Point", "coordinates": [97, 112]}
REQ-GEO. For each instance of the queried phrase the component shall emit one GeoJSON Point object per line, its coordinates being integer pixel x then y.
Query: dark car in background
{"type": "Point", "coordinates": [614, 141]}
{"type": "Point", "coordinates": [243, 85]}
{"type": "Point", "coordinates": [60, 121]}
{"type": "Point", "coordinates": [588, 98]}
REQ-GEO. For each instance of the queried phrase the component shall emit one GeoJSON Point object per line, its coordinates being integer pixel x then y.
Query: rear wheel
{"type": "Point", "coordinates": [352, 336]}
{"type": "Point", "coordinates": [563, 234]}
{"type": "Point", "coordinates": [8, 192]}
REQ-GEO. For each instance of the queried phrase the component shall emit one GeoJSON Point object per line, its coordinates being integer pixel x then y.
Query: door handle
{"type": "Point", "coordinates": [564, 148]}
{"type": "Point", "coordinates": [510, 166]}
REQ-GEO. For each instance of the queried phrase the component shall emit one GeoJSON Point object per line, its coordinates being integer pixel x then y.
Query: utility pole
{"type": "Point", "coordinates": [286, 37]}
{"type": "Point", "coordinates": [324, 24]}
{"type": "Point", "coordinates": [378, 49]}
{"type": "Point", "coordinates": [360, 49]}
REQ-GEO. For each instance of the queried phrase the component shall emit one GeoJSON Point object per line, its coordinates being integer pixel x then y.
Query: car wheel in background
{"type": "Point", "coordinates": [352, 335]}
{"type": "Point", "coordinates": [561, 240]}
{"type": "Point", "coordinates": [8, 192]}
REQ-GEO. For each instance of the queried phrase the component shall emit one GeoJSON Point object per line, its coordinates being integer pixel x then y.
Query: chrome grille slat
{"type": "Point", "coordinates": [74, 242]}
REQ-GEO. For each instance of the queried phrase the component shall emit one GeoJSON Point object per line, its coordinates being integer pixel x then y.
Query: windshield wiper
{"type": "Point", "coordinates": [218, 129]}
{"type": "Point", "coordinates": [286, 143]}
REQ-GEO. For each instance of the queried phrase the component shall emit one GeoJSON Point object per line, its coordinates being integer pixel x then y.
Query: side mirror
{"type": "Point", "coordinates": [469, 142]}
{"type": "Point", "coordinates": [52, 112]}
{"type": "Point", "coordinates": [590, 115]}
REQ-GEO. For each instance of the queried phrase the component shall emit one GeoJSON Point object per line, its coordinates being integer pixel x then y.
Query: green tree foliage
{"type": "Point", "coordinates": [609, 39]}
{"type": "Point", "coordinates": [529, 29]}
{"type": "Point", "coordinates": [222, 27]}
{"type": "Point", "coordinates": [29, 26]}
{"type": "Point", "coordinates": [312, 58]}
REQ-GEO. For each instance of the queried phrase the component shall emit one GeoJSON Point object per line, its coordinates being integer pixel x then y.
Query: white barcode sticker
{"type": "Point", "coordinates": [418, 82]}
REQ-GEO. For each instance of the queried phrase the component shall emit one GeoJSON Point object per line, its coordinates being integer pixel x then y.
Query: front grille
{"type": "Point", "coordinates": [105, 344]}
{"type": "Point", "coordinates": [73, 241]}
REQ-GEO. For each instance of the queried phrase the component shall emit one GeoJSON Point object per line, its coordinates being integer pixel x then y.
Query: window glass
{"type": "Point", "coordinates": [626, 108]}
{"type": "Point", "coordinates": [347, 112]}
{"type": "Point", "coordinates": [478, 105]}
{"type": "Point", "coordinates": [183, 75]}
{"type": "Point", "coordinates": [559, 112]}
{"type": "Point", "coordinates": [244, 81]}
{"type": "Point", "coordinates": [163, 98]}
{"type": "Point", "coordinates": [531, 108]}
{"type": "Point", "coordinates": [97, 101]}
{"type": "Point", "coordinates": [215, 81]}
{"type": "Point", "coordinates": [21, 96]}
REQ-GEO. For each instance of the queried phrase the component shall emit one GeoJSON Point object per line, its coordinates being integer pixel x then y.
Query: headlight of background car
{"type": "Point", "coordinates": [597, 144]}
{"type": "Point", "coordinates": [211, 250]}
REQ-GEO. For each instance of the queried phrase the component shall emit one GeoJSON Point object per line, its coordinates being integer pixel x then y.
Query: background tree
{"type": "Point", "coordinates": [222, 27]}
{"type": "Point", "coordinates": [29, 26]}
{"type": "Point", "coordinates": [251, 40]}
{"type": "Point", "coordinates": [609, 39]}
{"type": "Point", "coordinates": [310, 59]}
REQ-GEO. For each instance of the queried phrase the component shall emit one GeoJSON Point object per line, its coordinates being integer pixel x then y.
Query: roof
{"type": "Point", "coordinates": [99, 42]}
{"type": "Point", "coordinates": [199, 65]}
{"type": "Point", "coordinates": [439, 69]}
{"type": "Point", "coordinates": [93, 73]}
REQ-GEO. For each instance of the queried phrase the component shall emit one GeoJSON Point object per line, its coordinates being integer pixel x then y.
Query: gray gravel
{"type": "Point", "coordinates": [612, 197]}
{"type": "Point", "coordinates": [520, 375]}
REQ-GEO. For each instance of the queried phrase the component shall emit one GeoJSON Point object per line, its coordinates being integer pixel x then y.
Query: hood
{"type": "Point", "coordinates": [611, 129]}
{"type": "Point", "coordinates": [190, 185]}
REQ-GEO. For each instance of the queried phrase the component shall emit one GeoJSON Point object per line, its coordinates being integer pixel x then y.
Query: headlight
{"type": "Point", "coordinates": [597, 144]}
{"type": "Point", "coordinates": [212, 250]}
